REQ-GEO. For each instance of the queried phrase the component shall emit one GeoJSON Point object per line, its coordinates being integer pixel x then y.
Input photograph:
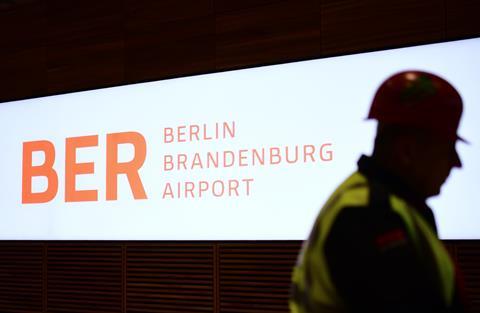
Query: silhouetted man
{"type": "Point", "coordinates": [374, 245]}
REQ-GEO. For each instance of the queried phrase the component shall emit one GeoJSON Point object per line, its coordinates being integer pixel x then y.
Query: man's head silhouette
{"type": "Point", "coordinates": [418, 114]}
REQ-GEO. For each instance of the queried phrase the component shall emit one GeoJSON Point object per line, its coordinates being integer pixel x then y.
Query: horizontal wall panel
{"type": "Point", "coordinates": [235, 277]}
{"type": "Point", "coordinates": [21, 277]}
{"type": "Point", "coordinates": [468, 259]}
{"type": "Point", "coordinates": [22, 52]}
{"type": "Point", "coordinates": [267, 32]}
{"type": "Point", "coordinates": [351, 26]}
{"type": "Point", "coordinates": [53, 46]}
{"type": "Point", "coordinates": [169, 278]}
{"type": "Point", "coordinates": [168, 38]}
{"type": "Point", "coordinates": [255, 277]}
{"type": "Point", "coordinates": [84, 45]}
{"type": "Point", "coordinates": [84, 277]}
{"type": "Point", "coordinates": [462, 18]}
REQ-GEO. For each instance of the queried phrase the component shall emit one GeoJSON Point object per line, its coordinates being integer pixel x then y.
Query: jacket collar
{"type": "Point", "coordinates": [372, 170]}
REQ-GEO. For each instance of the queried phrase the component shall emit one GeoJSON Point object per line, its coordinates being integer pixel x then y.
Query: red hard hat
{"type": "Point", "coordinates": [419, 99]}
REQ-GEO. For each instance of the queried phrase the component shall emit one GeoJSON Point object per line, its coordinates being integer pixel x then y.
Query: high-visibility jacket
{"type": "Point", "coordinates": [374, 248]}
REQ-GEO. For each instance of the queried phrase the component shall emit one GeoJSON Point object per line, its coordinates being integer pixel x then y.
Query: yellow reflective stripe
{"type": "Point", "coordinates": [415, 223]}
{"type": "Point", "coordinates": [294, 307]}
{"type": "Point", "coordinates": [353, 192]}
{"type": "Point", "coordinates": [399, 206]}
{"type": "Point", "coordinates": [313, 282]}
{"type": "Point", "coordinates": [442, 259]}
{"type": "Point", "coordinates": [297, 278]}
{"type": "Point", "coordinates": [352, 197]}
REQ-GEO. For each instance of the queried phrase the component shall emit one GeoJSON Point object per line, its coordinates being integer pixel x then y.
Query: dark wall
{"type": "Point", "coordinates": [113, 277]}
{"type": "Point", "coordinates": [145, 276]}
{"type": "Point", "coordinates": [58, 46]}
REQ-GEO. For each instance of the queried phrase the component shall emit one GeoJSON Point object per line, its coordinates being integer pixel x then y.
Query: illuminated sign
{"type": "Point", "coordinates": [239, 155]}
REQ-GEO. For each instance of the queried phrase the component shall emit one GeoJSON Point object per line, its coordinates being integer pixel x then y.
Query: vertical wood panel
{"type": "Point", "coordinates": [350, 25]}
{"type": "Point", "coordinates": [272, 32]}
{"type": "Point", "coordinates": [22, 52]}
{"type": "Point", "coordinates": [84, 44]}
{"type": "Point", "coordinates": [21, 277]}
{"type": "Point", "coordinates": [216, 278]}
{"type": "Point", "coordinates": [91, 44]}
{"type": "Point", "coordinates": [124, 278]}
{"type": "Point", "coordinates": [168, 38]}
{"type": "Point", "coordinates": [462, 18]}
{"type": "Point", "coordinates": [44, 277]}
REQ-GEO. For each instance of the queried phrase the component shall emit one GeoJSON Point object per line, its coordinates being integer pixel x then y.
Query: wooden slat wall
{"type": "Point", "coordinates": [23, 68]}
{"type": "Point", "coordinates": [352, 26]}
{"type": "Point", "coordinates": [21, 277]}
{"type": "Point", "coordinates": [84, 277]}
{"type": "Point", "coordinates": [467, 255]}
{"type": "Point", "coordinates": [259, 32]}
{"type": "Point", "coordinates": [58, 46]}
{"type": "Point", "coordinates": [168, 38]}
{"type": "Point", "coordinates": [84, 46]}
{"type": "Point", "coordinates": [254, 277]}
{"type": "Point", "coordinates": [166, 277]}
{"type": "Point", "coordinates": [169, 278]}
